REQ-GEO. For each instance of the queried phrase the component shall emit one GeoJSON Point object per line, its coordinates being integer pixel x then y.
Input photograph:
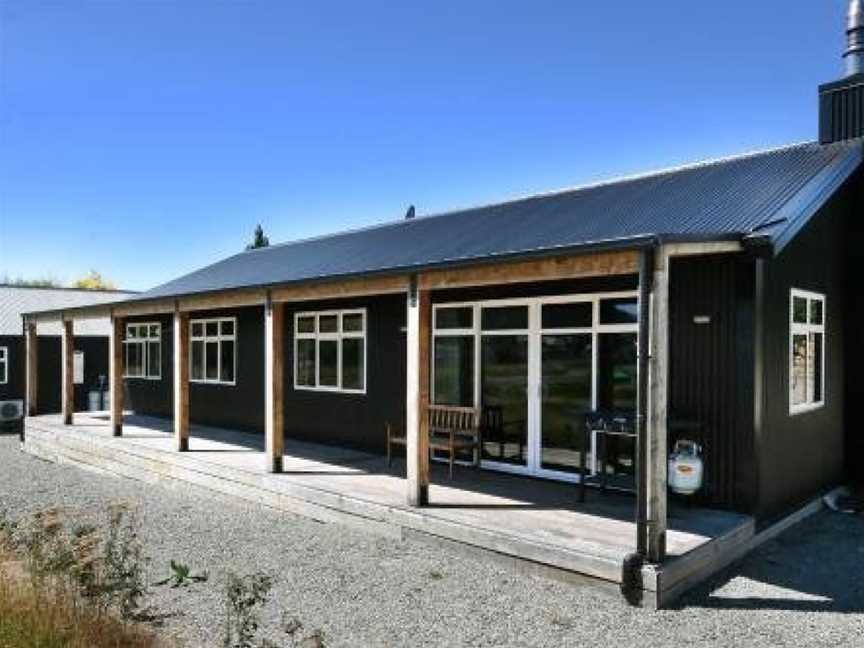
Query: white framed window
{"type": "Point", "coordinates": [807, 316]}
{"type": "Point", "coordinates": [4, 365]}
{"type": "Point", "coordinates": [143, 348]}
{"type": "Point", "coordinates": [330, 351]}
{"type": "Point", "coordinates": [213, 350]}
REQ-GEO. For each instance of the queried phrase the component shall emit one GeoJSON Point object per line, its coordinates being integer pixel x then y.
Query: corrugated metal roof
{"type": "Point", "coordinates": [16, 300]}
{"type": "Point", "coordinates": [727, 198]}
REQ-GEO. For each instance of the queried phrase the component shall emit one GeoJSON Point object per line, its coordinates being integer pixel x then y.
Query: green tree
{"type": "Point", "coordinates": [37, 282]}
{"type": "Point", "coordinates": [259, 240]}
{"type": "Point", "coordinates": [94, 281]}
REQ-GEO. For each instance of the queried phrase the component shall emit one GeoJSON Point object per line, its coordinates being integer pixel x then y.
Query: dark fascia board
{"type": "Point", "coordinates": [797, 212]}
{"type": "Point", "coordinates": [803, 206]}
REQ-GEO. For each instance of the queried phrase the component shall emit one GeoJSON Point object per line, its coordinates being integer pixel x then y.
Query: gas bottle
{"type": "Point", "coordinates": [686, 469]}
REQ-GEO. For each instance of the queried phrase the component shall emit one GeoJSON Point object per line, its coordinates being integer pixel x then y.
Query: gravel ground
{"type": "Point", "coordinates": [804, 589]}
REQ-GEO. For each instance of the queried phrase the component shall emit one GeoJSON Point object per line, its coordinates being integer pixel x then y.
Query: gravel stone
{"type": "Point", "coordinates": [804, 589]}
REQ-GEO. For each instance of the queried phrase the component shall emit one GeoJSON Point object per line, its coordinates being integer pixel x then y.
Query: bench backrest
{"type": "Point", "coordinates": [464, 420]}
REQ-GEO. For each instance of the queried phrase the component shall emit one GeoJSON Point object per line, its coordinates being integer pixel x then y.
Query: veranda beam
{"type": "Point", "coordinates": [599, 264]}
{"type": "Point", "coordinates": [32, 343]}
{"type": "Point", "coordinates": [274, 383]}
{"type": "Point", "coordinates": [67, 345]}
{"type": "Point", "coordinates": [181, 380]}
{"type": "Point", "coordinates": [416, 419]}
{"type": "Point", "coordinates": [656, 433]}
{"type": "Point", "coordinates": [115, 373]}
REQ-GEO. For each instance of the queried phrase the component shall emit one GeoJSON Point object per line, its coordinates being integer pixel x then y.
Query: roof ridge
{"type": "Point", "coordinates": [623, 179]}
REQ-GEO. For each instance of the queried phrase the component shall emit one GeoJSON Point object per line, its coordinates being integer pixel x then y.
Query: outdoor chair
{"type": "Point", "coordinates": [451, 430]}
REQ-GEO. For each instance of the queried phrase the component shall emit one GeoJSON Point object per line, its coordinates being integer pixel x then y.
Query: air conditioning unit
{"type": "Point", "coordinates": [11, 410]}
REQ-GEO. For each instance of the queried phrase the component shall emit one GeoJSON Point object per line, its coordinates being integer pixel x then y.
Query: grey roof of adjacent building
{"type": "Point", "coordinates": [17, 300]}
{"type": "Point", "coordinates": [765, 196]}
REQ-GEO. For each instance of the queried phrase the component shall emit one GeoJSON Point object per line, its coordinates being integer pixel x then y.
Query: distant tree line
{"type": "Point", "coordinates": [91, 281]}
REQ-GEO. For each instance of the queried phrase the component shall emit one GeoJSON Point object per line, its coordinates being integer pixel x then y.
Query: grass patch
{"type": "Point", "coordinates": [71, 585]}
{"type": "Point", "coordinates": [45, 613]}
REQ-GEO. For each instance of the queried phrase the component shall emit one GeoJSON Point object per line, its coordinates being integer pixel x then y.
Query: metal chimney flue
{"type": "Point", "coordinates": [854, 53]}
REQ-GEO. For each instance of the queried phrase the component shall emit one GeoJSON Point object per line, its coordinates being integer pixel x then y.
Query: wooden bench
{"type": "Point", "coordinates": [451, 430]}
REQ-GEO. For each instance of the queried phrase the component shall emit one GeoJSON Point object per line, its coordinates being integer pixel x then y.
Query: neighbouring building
{"type": "Point", "coordinates": [90, 353]}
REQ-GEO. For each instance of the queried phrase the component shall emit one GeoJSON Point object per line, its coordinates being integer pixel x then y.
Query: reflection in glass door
{"type": "Point", "coordinates": [504, 393]}
{"type": "Point", "coordinates": [566, 397]}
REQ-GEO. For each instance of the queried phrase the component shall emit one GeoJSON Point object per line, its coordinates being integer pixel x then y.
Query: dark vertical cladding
{"type": "Point", "coordinates": [841, 110]}
{"type": "Point", "coordinates": [711, 376]}
{"type": "Point", "coordinates": [854, 341]}
{"type": "Point", "coordinates": [94, 348]}
{"type": "Point", "coordinates": [153, 397]}
{"type": "Point", "coordinates": [238, 406]}
{"type": "Point", "coordinates": [16, 382]}
{"type": "Point", "coordinates": [345, 419]}
{"type": "Point", "coordinates": [801, 454]}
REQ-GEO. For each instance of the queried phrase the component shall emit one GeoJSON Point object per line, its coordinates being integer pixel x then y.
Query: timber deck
{"type": "Point", "coordinates": [529, 523]}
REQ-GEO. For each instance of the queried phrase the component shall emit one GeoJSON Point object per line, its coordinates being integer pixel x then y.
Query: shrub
{"type": "Point", "coordinates": [244, 596]}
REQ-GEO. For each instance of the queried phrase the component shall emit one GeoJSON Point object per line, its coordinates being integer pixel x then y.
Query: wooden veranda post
{"type": "Point", "coordinates": [656, 441]}
{"type": "Point", "coordinates": [181, 380]}
{"type": "Point", "coordinates": [116, 359]}
{"type": "Point", "coordinates": [32, 343]}
{"type": "Point", "coordinates": [274, 408]}
{"type": "Point", "coordinates": [416, 421]}
{"type": "Point", "coordinates": [67, 346]}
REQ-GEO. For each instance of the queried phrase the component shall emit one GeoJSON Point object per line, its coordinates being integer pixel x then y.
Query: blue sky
{"type": "Point", "coordinates": [146, 139]}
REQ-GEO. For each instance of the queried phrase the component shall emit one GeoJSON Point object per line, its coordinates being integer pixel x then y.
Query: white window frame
{"type": "Point", "coordinates": [145, 344]}
{"type": "Point", "coordinates": [798, 328]}
{"type": "Point", "coordinates": [339, 335]}
{"type": "Point", "coordinates": [534, 332]}
{"type": "Point", "coordinates": [4, 365]}
{"type": "Point", "coordinates": [218, 338]}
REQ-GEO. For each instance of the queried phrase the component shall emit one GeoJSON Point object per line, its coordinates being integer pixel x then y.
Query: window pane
{"type": "Point", "coordinates": [154, 330]}
{"type": "Point", "coordinates": [305, 324]}
{"type": "Point", "coordinates": [352, 363]}
{"type": "Point", "coordinates": [327, 369]}
{"type": "Point", "coordinates": [328, 324]}
{"type": "Point", "coordinates": [619, 311]}
{"type": "Point", "coordinates": [505, 318]}
{"type": "Point", "coordinates": [154, 359]}
{"type": "Point", "coordinates": [616, 367]}
{"type": "Point", "coordinates": [567, 379]}
{"type": "Point", "coordinates": [816, 311]}
{"type": "Point", "coordinates": [212, 329]}
{"type": "Point", "coordinates": [134, 360]}
{"type": "Point", "coordinates": [799, 369]}
{"type": "Point", "coordinates": [226, 351]}
{"type": "Point", "coordinates": [577, 315]}
{"type": "Point", "coordinates": [306, 363]}
{"type": "Point", "coordinates": [454, 371]}
{"type": "Point", "coordinates": [197, 360]}
{"type": "Point", "coordinates": [227, 327]}
{"type": "Point", "coordinates": [352, 322]}
{"type": "Point", "coordinates": [211, 360]}
{"type": "Point", "coordinates": [132, 332]}
{"type": "Point", "coordinates": [454, 318]}
{"type": "Point", "coordinates": [799, 310]}
{"type": "Point", "coordinates": [815, 365]}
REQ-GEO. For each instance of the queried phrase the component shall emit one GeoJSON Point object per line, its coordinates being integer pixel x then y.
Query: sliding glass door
{"type": "Point", "coordinates": [535, 367]}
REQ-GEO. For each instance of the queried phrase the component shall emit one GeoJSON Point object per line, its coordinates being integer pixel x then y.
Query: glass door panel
{"type": "Point", "coordinates": [616, 390]}
{"type": "Point", "coordinates": [504, 395]}
{"type": "Point", "coordinates": [566, 375]}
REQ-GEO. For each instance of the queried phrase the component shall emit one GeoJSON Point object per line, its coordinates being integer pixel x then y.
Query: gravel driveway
{"type": "Point", "coordinates": [804, 589]}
